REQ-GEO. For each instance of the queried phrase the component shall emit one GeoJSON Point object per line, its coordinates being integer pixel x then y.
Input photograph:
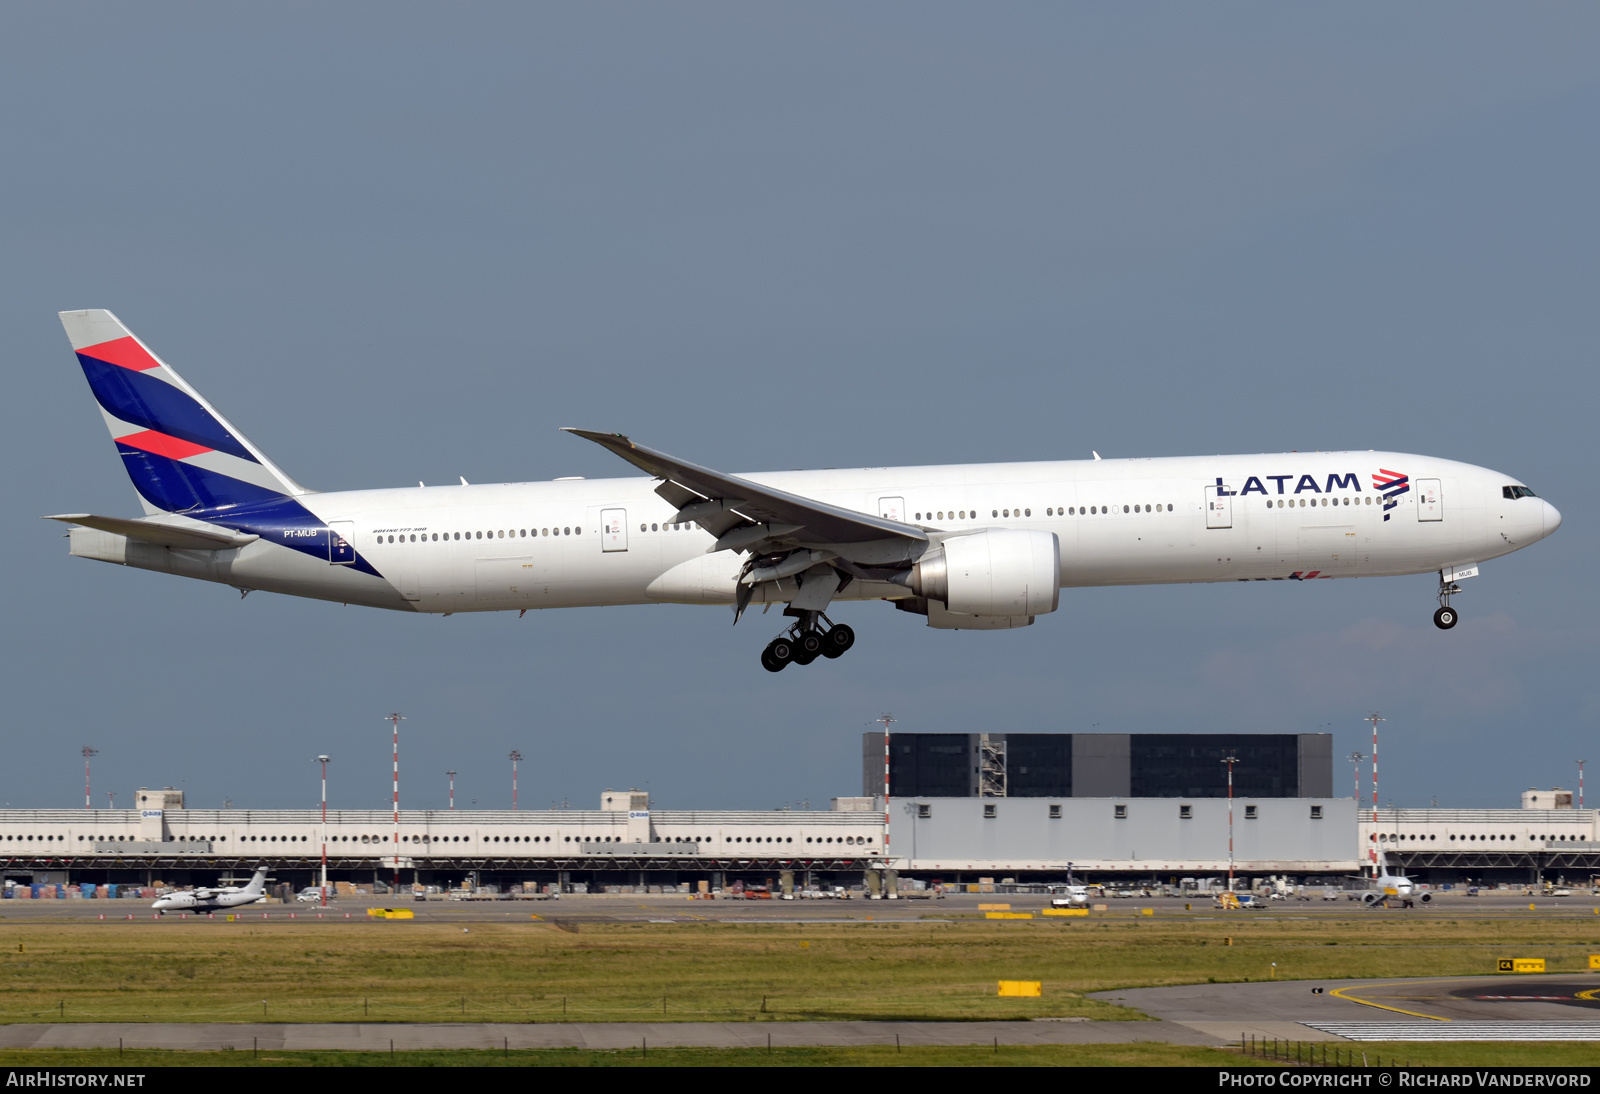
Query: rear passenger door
{"type": "Point", "coordinates": [1219, 508]}
{"type": "Point", "coordinates": [613, 530]}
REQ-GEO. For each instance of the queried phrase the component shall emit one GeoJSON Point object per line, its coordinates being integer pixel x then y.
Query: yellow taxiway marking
{"type": "Point", "coordinates": [1340, 992]}
{"type": "Point", "coordinates": [1592, 994]}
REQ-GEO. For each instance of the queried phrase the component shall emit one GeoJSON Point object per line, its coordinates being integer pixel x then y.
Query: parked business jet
{"type": "Point", "coordinates": [1386, 885]}
{"type": "Point", "coordinates": [212, 900]}
{"type": "Point", "coordinates": [968, 547]}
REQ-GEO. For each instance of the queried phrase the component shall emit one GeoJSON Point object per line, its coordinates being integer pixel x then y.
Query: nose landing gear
{"type": "Point", "coordinates": [804, 642]}
{"type": "Point", "coordinates": [1446, 616]}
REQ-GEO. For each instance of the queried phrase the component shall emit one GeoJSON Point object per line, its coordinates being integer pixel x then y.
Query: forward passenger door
{"type": "Point", "coordinates": [1430, 500]}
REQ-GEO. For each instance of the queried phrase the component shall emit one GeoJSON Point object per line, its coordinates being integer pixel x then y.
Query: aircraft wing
{"type": "Point", "coordinates": [745, 515]}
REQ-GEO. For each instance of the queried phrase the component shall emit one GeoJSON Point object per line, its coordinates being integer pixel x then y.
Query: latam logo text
{"type": "Point", "coordinates": [1391, 484]}
{"type": "Point", "coordinates": [1254, 485]}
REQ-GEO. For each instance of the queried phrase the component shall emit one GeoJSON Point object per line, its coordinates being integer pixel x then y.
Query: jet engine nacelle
{"type": "Point", "coordinates": [997, 572]}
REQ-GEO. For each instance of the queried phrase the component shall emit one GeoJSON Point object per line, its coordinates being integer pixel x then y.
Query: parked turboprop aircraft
{"type": "Point", "coordinates": [208, 900]}
{"type": "Point", "coordinates": [969, 546]}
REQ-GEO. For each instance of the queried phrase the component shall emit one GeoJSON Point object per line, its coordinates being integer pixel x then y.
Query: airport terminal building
{"type": "Point", "coordinates": [962, 807]}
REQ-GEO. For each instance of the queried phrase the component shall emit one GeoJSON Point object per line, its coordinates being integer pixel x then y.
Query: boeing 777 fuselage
{"type": "Point", "coordinates": [969, 546]}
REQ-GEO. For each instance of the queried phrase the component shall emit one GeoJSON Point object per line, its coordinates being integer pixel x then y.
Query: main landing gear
{"type": "Point", "coordinates": [805, 641]}
{"type": "Point", "coordinates": [1446, 616]}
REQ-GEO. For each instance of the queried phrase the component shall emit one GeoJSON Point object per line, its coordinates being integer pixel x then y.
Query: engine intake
{"type": "Point", "coordinates": [999, 571]}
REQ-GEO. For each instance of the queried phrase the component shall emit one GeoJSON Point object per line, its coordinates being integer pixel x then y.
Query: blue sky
{"type": "Point", "coordinates": [399, 242]}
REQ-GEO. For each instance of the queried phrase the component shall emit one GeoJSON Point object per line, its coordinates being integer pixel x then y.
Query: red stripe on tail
{"type": "Point", "coordinates": [124, 352]}
{"type": "Point", "coordinates": [162, 445]}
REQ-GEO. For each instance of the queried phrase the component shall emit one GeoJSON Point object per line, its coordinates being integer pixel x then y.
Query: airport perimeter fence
{"type": "Point", "coordinates": [1311, 1053]}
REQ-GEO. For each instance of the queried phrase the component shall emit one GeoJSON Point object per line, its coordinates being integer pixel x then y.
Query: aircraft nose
{"type": "Point", "coordinates": [1552, 518]}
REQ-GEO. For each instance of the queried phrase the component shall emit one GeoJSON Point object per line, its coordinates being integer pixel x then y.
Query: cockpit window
{"type": "Point", "coordinates": [1514, 492]}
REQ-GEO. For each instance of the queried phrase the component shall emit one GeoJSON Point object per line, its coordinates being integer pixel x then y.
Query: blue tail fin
{"type": "Point", "coordinates": [182, 456]}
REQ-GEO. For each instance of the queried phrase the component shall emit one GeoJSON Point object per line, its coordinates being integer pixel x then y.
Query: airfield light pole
{"type": "Point", "coordinates": [1372, 852]}
{"type": "Point", "coordinates": [395, 719]}
{"type": "Point", "coordinates": [1230, 759]}
{"type": "Point", "coordinates": [111, 799]}
{"type": "Point", "coordinates": [515, 756]}
{"type": "Point", "coordinates": [89, 752]}
{"type": "Point", "coordinates": [452, 775]}
{"type": "Point", "coordinates": [1580, 782]}
{"type": "Point", "coordinates": [1355, 759]}
{"type": "Point", "coordinates": [323, 760]}
{"type": "Point", "coordinates": [887, 720]}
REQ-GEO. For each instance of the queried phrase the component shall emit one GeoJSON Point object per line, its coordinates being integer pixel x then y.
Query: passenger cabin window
{"type": "Point", "coordinates": [1120, 812]}
{"type": "Point", "coordinates": [1185, 812]}
{"type": "Point", "coordinates": [988, 812]}
{"type": "Point", "coordinates": [1249, 812]}
{"type": "Point", "coordinates": [1316, 812]}
{"type": "Point", "coordinates": [1055, 812]}
{"type": "Point", "coordinates": [924, 810]}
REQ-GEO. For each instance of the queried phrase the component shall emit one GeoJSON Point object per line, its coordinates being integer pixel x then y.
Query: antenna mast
{"type": "Point", "coordinates": [91, 752]}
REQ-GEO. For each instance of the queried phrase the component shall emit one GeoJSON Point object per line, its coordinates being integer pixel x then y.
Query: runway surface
{"type": "Point", "coordinates": [1398, 1009]}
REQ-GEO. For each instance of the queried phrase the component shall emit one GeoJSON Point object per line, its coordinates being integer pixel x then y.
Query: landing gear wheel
{"type": "Point", "coordinates": [808, 647]}
{"type": "Point", "coordinates": [838, 640]}
{"type": "Point", "coordinates": [1445, 618]}
{"type": "Point", "coordinates": [779, 652]}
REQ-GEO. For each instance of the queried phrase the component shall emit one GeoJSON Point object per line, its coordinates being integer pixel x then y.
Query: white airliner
{"type": "Point", "coordinates": [967, 546]}
{"type": "Point", "coordinates": [211, 900]}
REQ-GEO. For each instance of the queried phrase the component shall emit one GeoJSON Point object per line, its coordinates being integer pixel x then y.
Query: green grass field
{"type": "Point", "coordinates": [532, 971]}
{"type": "Point", "coordinates": [1138, 1055]}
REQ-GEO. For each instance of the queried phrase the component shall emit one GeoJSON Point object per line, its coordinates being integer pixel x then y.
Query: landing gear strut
{"type": "Point", "coordinates": [805, 640]}
{"type": "Point", "coordinates": [1446, 616]}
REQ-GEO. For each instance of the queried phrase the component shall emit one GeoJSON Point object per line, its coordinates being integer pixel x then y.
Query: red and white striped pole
{"type": "Point", "coordinates": [1230, 759]}
{"type": "Point", "coordinates": [323, 760]}
{"type": "Point", "coordinates": [396, 719]}
{"type": "Point", "coordinates": [1373, 850]}
{"type": "Point", "coordinates": [1580, 782]}
{"type": "Point", "coordinates": [887, 720]}
{"type": "Point", "coordinates": [452, 775]}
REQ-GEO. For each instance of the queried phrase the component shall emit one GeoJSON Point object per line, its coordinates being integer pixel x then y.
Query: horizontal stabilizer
{"type": "Point", "coordinates": [162, 535]}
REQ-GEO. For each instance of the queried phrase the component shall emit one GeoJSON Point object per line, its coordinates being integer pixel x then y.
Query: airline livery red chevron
{"type": "Point", "coordinates": [969, 547]}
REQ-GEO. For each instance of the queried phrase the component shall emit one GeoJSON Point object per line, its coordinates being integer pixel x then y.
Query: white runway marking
{"type": "Point", "coordinates": [1460, 1031]}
